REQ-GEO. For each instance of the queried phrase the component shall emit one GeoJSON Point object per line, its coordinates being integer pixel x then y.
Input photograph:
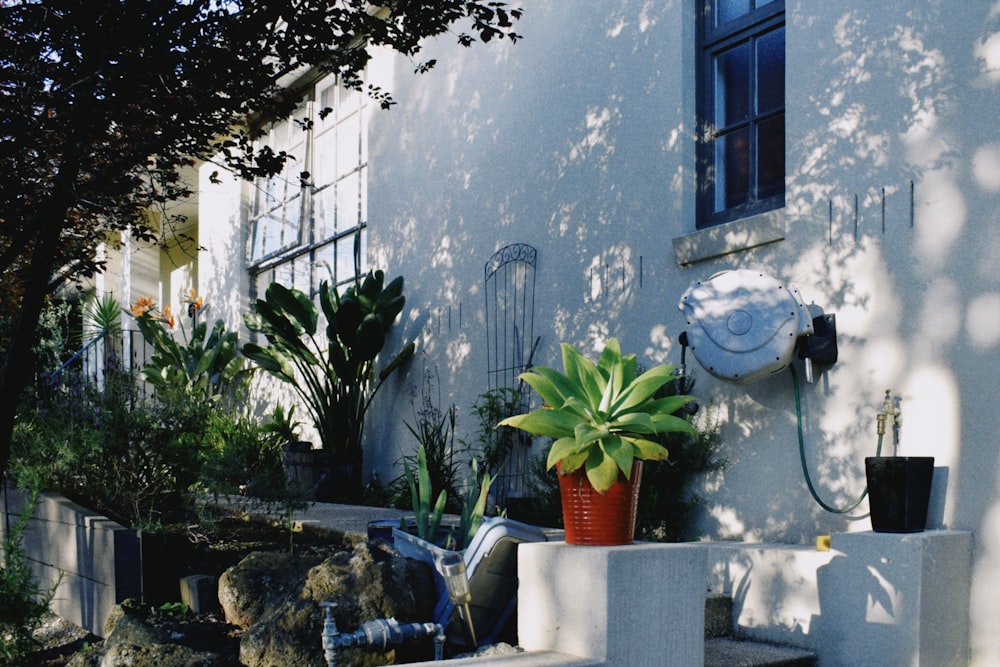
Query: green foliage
{"type": "Point", "coordinates": [474, 504]}
{"type": "Point", "coordinates": [174, 611]}
{"type": "Point", "coordinates": [283, 425]}
{"type": "Point", "coordinates": [207, 365]}
{"type": "Point", "coordinates": [22, 602]}
{"type": "Point", "coordinates": [492, 444]}
{"type": "Point", "coordinates": [667, 499]}
{"type": "Point", "coordinates": [54, 337]}
{"type": "Point", "coordinates": [333, 374]}
{"type": "Point", "coordinates": [111, 450]}
{"type": "Point", "coordinates": [434, 430]}
{"type": "Point", "coordinates": [428, 516]}
{"type": "Point", "coordinates": [602, 416]}
{"type": "Point", "coordinates": [102, 315]}
{"type": "Point", "coordinates": [242, 458]}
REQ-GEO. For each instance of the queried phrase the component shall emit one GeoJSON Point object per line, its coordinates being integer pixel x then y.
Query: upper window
{"type": "Point", "coordinates": [741, 109]}
{"type": "Point", "coordinates": [307, 224]}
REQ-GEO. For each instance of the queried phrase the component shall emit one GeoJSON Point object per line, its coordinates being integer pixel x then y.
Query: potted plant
{"type": "Point", "coordinates": [601, 416]}
{"type": "Point", "coordinates": [333, 374]}
{"type": "Point", "coordinates": [899, 487]}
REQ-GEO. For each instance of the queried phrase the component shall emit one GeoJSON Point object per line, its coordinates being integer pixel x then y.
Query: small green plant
{"type": "Point", "coordinates": [283, 425]}
{"type": "Point", "coordinates": [434, 430]}
{"type": "Point", "coordinates": [22, 601]}
{"type": "Point", "coordinates": [428, 516]}
{"type": "Point", "coordinates": [175, 611]}
{"type": "Point", "coordinates": [474, 504]}
{"type": "Point", "coordinates": [493, 445]}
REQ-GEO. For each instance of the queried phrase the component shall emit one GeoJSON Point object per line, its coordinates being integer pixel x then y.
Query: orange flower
{"type": "Point", "coordinates": [196, 302]}
{"type": "Point", "coordinates": [168, 317]}
{"type": "Point", "coordinates": [142, 306]}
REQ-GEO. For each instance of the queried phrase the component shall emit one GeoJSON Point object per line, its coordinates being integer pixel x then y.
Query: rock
{"type": "Point", "coordinates": [366, 583]}
{"type": "Point", "coordinates": [158, 655]}
{"type": "Point", "coordinates": [138, 636]}
{"type": "Point", "coordinates": [260, 583]}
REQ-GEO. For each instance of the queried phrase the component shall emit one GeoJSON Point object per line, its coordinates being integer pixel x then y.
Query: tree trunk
{"type": "Point", "coordinates": [18, 363]}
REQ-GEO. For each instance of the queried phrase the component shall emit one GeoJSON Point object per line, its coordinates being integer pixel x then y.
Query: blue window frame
{"type": "Point", "coordinates": [741, 109]}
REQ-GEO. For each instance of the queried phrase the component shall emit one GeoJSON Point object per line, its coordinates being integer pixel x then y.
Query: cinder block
{"type": "Point", "coordinates": [640, 604]}
{"type": "Point", "coordinates": [200, 592]}
{"type": "Point", "coordinates": [94, 560]}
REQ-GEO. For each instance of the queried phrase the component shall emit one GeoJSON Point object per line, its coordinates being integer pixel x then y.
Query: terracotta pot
{"type": "Point", "coordinates": [599, 519]}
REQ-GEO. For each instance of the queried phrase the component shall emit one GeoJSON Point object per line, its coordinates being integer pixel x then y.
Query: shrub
{"type": "Point", "coordinates": [22, 602]}
{"type": "Point", "coordinates": [111, 450]}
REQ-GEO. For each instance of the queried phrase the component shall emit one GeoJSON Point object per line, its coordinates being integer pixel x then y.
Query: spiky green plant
{"type": "Point", "coordinates": [603, 414]}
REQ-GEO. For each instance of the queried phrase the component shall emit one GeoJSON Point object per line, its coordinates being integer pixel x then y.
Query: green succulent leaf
{"type": "Point", "coordinates": [585, 381]}
{"type": "Point", "coordinates": [602, 471]}
{"type": "Point", "coordinates": [648, 450]}
{"type": "Point", "coordinates": [551, 423]}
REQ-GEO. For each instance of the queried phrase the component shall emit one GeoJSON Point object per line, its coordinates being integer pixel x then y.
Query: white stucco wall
{"type": "Point", "coordinates": [578, 140]}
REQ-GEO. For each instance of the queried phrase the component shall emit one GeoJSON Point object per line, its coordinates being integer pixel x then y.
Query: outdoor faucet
{"type": "Point", "coordinates": [889, 411]}
{"type": "Point", "coordinates": [378, 634]}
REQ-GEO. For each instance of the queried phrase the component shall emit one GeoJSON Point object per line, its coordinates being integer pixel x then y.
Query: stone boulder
{"type": "Point", "coordinates": [260, 583]}
{"type": "Point", "coordinates": [138, 636]}
{"type": "Point", "coordinates": [276, 599]}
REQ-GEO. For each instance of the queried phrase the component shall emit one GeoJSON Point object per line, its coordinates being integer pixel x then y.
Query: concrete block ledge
{"type": "Point", "coordinates": [622, 606]}
{"type": "Point", "coordinates": [94, 560]}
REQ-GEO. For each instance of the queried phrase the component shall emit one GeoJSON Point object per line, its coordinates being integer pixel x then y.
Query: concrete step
{"type": "Point", "coordinates": [718, 615]}
{"type": "Point", "coordinates": [725, 652]}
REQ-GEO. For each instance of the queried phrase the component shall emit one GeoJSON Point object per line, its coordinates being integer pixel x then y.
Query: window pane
{"type": "Point", "coordinates": [732, 86]}
{"type": "Point", "coordinates": [325, 262]}
{"type": "Point", "coordinates": [727, 10]}
{"type": "Point", "coordinates": [771, 71]}
{"type": "Point", "coordinates": [364, 195]}
{"type": "Point", "coordinates": [259, 230]}
{"type": "Point", "coordinates": [347, 202]}
{"type": "Point", "coordinates": [323, 213]}
{"type": "Point", "coordinates": [323, 160]}
{"type": "Point", "coordinates": [263, 280]}
{"type": "Point", "coordinates": [283, 274]}
{"type": "Point", "coordinates": [732, 169]}
{"type": "Point", "coordinates": [771, 157]}
{"type": "Point", "coordinates": [272, 235]}
{"type": "Point", "coordinates": [292, 231]}
{"type": "Point", "coordinates": [345, 259]}
{"type": "Point", "coordinates": [348, 148]}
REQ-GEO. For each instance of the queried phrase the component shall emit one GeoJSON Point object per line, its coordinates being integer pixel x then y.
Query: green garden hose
{"type": "Point", "coordinates": [802, 456]}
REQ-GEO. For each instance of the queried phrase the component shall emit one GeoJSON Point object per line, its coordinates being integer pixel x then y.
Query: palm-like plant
{"type": "Point", "coordinates": [333, 375]}
{"type": "Point", "coordinates": [603, 414]}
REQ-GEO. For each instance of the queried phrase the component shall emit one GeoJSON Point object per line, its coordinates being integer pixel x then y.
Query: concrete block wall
{"type": "Point", "coordinates": [872, 599]}
{"type": "Point", "coordinates": [632, 605]}
{"type": "Point", "coordinates": [95, 561]}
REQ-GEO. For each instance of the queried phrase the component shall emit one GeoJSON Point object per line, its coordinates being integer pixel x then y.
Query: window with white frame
{"type": "Point", "coordinates": [741, 109]}
{"type": "Point", "coordinates": [307, 224]}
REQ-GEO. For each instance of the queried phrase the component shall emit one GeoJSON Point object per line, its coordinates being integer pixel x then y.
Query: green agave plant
{"type": "Point", "coordinates": [602, 415]}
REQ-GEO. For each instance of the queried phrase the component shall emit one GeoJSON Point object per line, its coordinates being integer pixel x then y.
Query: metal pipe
{"type": "Point", "coordinates": [377, 634]}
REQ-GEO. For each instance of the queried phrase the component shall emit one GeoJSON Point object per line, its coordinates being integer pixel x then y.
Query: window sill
{"type": "Point", "coordinates": [730, 237]}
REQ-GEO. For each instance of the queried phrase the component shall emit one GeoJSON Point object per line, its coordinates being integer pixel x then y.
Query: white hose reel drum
{"type": "Point", "coordinates": [744, 325]}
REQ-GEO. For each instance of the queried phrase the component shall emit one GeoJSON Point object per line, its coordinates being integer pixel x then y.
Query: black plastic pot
{"type": "Point", "coordinates": [899, 490]}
